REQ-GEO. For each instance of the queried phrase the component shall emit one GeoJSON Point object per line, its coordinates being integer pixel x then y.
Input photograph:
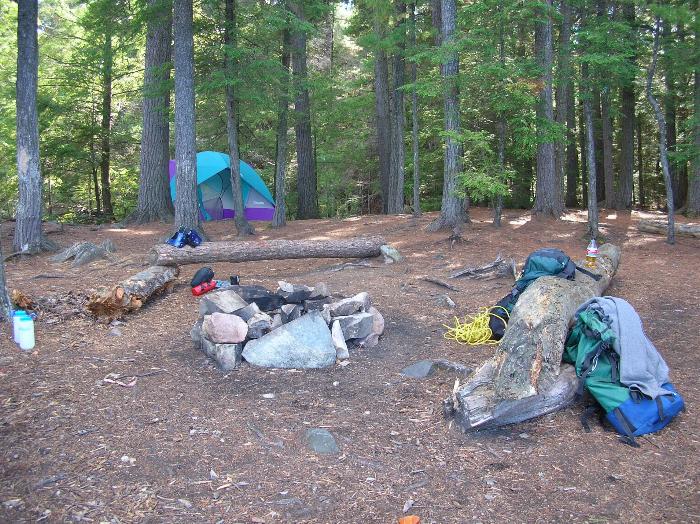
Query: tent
{"type": "Point", "coordinates": [214, 189]}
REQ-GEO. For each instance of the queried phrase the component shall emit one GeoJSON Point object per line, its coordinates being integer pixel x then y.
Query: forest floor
{"type": "Point", "coordinates": [64, 430]}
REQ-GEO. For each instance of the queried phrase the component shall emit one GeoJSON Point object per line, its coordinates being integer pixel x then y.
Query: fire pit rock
{"type": "Point", "coordinates": [288, 328]}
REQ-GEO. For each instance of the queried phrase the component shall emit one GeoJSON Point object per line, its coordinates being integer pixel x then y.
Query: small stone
{"type": "Point", "coordinates": [445, 301]}
{"type": "Point", "coordinates": [115, 332]}
{"type": "Point", "coordinates": [326, 314]}
{"type": "Point", "coordinates": [360, 302]}
{"type": "Point", "coordinates": [377, 321]}
{"type": "Point", "coordinates": [185, 503]}
{"type": "Point", "coordinates": [321, 441]}
{"type": "Point", "coordinates": [228, 356]}
{"type": "Point", "coordinates": [208, 347]}
{"type": "Point", "coordinates": [341, 348]}
{"type": "Point", "coordinates": [390, 253]}
{"type": "Point", "coordinates": [358, 325]}
{"type": "Point", "coordinates": [264, 298]}
{"type": "Point", "coordinates": [294, 294]}
{"type": "Point", "coordinates": [247, 312]}
{"type": "Point", "coordinates": [223, 328]}
{"type": "Point", "coordinates": [12, 503]}
{"type": "Point", "coordinates": [259, 324]}
{"type": "Point", "coordinates": [320, 290]}
{"type": "Point", "coordinates": [268, 395]}
{"type": "Point", "coordinates": [524, 436]}
{"type": "Point", "coordinates": [276, 321]}
{"type": "Point", "coordinates": [367, 342]}
{"type": "Point", "coordinates": [291, 312]}
{"type": "Point", "coordinates": [226, 301]}
{"type": "Point", "coordinates": [316, 304]}
{"type": "Point", "coordinates": [213, 475]}
{"type": "Point", "coordinates": [421, 369]}
{"type": "Point", "coordinates": [196, 333]}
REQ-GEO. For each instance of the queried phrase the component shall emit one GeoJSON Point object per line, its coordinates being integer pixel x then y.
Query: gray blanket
{"type": "Point", "coordinates": [641, 366]}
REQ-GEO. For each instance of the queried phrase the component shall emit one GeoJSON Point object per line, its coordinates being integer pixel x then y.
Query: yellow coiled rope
{"type": "Point", "coordinates": [476, 331]}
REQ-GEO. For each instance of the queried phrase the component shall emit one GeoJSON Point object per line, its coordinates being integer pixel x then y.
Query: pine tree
{"type": "Point", "coordinates": [279, 218]}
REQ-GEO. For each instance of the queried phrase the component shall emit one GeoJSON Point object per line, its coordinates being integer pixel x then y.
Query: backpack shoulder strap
{"type": "Point", "coordinates": [594, 276]}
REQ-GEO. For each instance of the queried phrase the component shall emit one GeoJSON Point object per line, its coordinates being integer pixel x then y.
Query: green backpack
{"type": "Point", "coordinates": [589, 347]}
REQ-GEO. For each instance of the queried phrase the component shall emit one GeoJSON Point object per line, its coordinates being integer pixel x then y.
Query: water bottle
{"type": "Point", "coordinates": [591, 254]}
{"type": "Point", "coordinates": [26, 333]}
{"type": "Point", "coordinates": [15, 323]}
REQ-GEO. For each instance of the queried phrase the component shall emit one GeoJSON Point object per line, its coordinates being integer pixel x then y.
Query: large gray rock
{"type": "Point", "coordinates": [391, 254]}
{"type": "Point", "coordinates": [264, 298]}
{"type": "Point", "coordinates": [303, 343]}
{"type": "Point", "coordinates": [377, 321]}
{"type": "Point", "coordinates": [227, 356]}
{"type": "Point", "coordinates": [226, 301]}
{"type": "Point", "coordinates": [291, 312]}
{"type": "Point", "coordinates": [259, 324]}
{"type": "Point", "coordinates": [358, 325]}
{"type": "Point", "coordinates": [222, 328]}
{"type": "Point", "coordinates": [341, 348]}
{"type": "Point", "coordinates": [360, 302]}
{"type": "Point", "coordinates": [320, 290]}
{"type": "Point", "coordinates": [421, 369]}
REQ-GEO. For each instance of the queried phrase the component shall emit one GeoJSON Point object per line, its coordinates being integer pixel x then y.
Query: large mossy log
{"type": "Point", "coordinates": [130, 294]}
{"type": "Point", "coordinates": [658, 227]}
{"type": "Point", "coordinates": [526, 377]}
{"type": "Point", "coordinates": [248, 251]}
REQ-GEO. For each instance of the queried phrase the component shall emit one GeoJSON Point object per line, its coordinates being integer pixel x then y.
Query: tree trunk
{"type": "Point", "coordinates": [548, 198]}
{"type": "Point", "coordinates": [306, 169]}
{"type": "Point", "coordinates": [383, 112]}
{"type": "Point", "coordinates": [608, 169]}
{"type": "Point", "coordinates": [398, 118]}
{"type": "Point", "coordinates": [670, 102]}
{"type": "Point", "coordinates": [640, 166]}
{"type": "Point", "coordinates": [501, 123]}
{"type": "Point", "coordinates": [414, 118]}
{"type": "Point", "coordinates": [130, 294]}
{"type": "Point", "coordinates": [571, 151]}
{"type": "Point", "coordinates": [526, 377]}
{"type": "Point", "coordinates": [693, 208]}
{"type": "Point", "coordinates": [452, 210]}
{"type": "Point", "coordinates": [154, 202]}
{"type": "Point", "coordinates": [599, 149]}
{"type": "Point", "coordinates": [627, 125]}
{"type": "Point", "coordinates": [564, 88]}
{"type": "Point", "coordinates": [5, 302]}
{"type": "Point", "coordinates": [279, 218]}
{"type": "Point", "coordinates": [93, 162]}
{"type": "Point", "coordinates": [590, 156]}
{"type": "Point", "coordinates": [243, 227]}
{"type": "Point", "coordinates": [186, 202]}
{"type": "Point", "coordinates": [28, 215]}
{"type": "Point", "coordinates": [582, 143]}
{"type": "Point", "coordinates": [660, 228]}
{"type": "Point", "coordinates": [248, 251]}
{"type": "Point", "coordinates": [106, 125]}
{"type": "Point", "coordinates": [668, 182]}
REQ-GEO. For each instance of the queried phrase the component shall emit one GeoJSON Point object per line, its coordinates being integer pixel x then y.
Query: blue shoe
{"type": "Point", "coordinates": [192, 238]}
{"type": "Point", "coordinates": [178, 239]}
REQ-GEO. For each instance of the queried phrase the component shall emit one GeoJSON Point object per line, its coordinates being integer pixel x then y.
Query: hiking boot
{"type": "Point", "coordinates": [178, 239]}
{"type": "Point", "coordinates": [192, 238]}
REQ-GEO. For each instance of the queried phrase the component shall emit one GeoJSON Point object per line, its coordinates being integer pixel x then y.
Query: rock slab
{"type": "Point", "coordinates": [321, 441]}
{"type": "Point", "coordinates": [222, 328]}
{"type": "Point", "coordinates": [226, 301]}
{"type": "Point", "coordinates": [421, 369]}
{"type": "Point", "coordinates": [303, 343]}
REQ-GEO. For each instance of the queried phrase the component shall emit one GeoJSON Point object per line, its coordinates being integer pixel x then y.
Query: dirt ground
{"type": "Point", "coordinates": [208, 447]}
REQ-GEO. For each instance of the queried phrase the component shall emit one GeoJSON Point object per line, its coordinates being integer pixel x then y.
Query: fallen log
{"type": "Point", "coordinates": [130, 294]}
{"type": "Point", "coordinates": [526, 377]}
{"type": "Point", "coordinates": [248, 251]}
{"type": "Point", "coordinates": [661, 228]}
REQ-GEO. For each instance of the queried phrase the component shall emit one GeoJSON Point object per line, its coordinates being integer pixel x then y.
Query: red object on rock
{"type": "Point", "coordinates": [204, 287]}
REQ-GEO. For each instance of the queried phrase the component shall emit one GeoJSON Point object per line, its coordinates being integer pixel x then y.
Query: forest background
{"type": "Point", "coordinates": [386, 101]}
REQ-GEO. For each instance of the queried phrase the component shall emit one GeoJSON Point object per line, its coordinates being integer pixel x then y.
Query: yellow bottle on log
{"type": "Point", "coordinates": [591, 254]}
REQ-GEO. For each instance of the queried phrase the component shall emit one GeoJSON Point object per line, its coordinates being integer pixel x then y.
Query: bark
{"type": "Point", "coordinates": [501, 124]}
{"type": "Point", "coordinates": [582, 143]}
{"type": "Point", "coordinates": [571, 168]}
{"type": "Point", "coordinates": [608, 168]}
{"type": "Point", "coordinates": [598, 135]}
{"type": "Point", "coordinates": [5, 302]}
{"type": "Point", "coordinates": [130, 294]}
{"type": "Point", "coordinates": [693, 207]}
{"type": "Point", "coordinates": [669, 108]}
{"type": "Point", "coordinates": [306, 169]}
{"type": "Point", "coordinates": [106, 124]}
{"type": "Point", "coordinates": [640, 166]}
{"type": "Point", "coordinates": [563, 88]}
{"type": "Point", "coordinates": [93, 163]}
{"type": "Point", "coordinates": [627, 124]}
{"type": "Point", "coordinates": [248, 251]}
{"type": "Point", "coordinates": [397, 167]}
{"type": "Point", "coordinates": [660, 119]}
{"type": "Point", "coordinates": [279, 218]}
{"type": "Point", "coordinates": [382, 110]}
{"type": "Point", "coordinates": [154, 202]}
{"type": "Point", "coordinates": [186, 203]}
{"type": "Point", "coordinates": [526, 378]}
{"type": "Point", "coordinates": [590, 158]}
{"type": "Point", "coordinates": [660, 228]}
{"type": "Point", "coordinates": [243, 227]}
{"type": "Point", "coordinates": [414, 119]}
{"type": "Point", "coordinates": [548, 198]}
{"type": "Point", "coordinates": [28, 215]}
{"type": "Point", "coordinates": [453, 212]}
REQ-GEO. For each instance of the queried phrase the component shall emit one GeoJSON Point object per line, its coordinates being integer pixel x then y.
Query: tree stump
{"type": "Point", "coordinates": [130, 294]}
{"type": "Point", "coordinates": [526, 377]}
{"type": "Point", "coordinates": [248, 251]}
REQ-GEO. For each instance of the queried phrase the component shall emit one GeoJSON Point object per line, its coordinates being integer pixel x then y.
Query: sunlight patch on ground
{"type": "Point", "coordinates": [575, 216]}
{"type": "Point", "coordinates": [131, 232]}
{"type": "Point", "coordinates": [611, 216]}
{"type": "Point", "coordinates": [520, 221]}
